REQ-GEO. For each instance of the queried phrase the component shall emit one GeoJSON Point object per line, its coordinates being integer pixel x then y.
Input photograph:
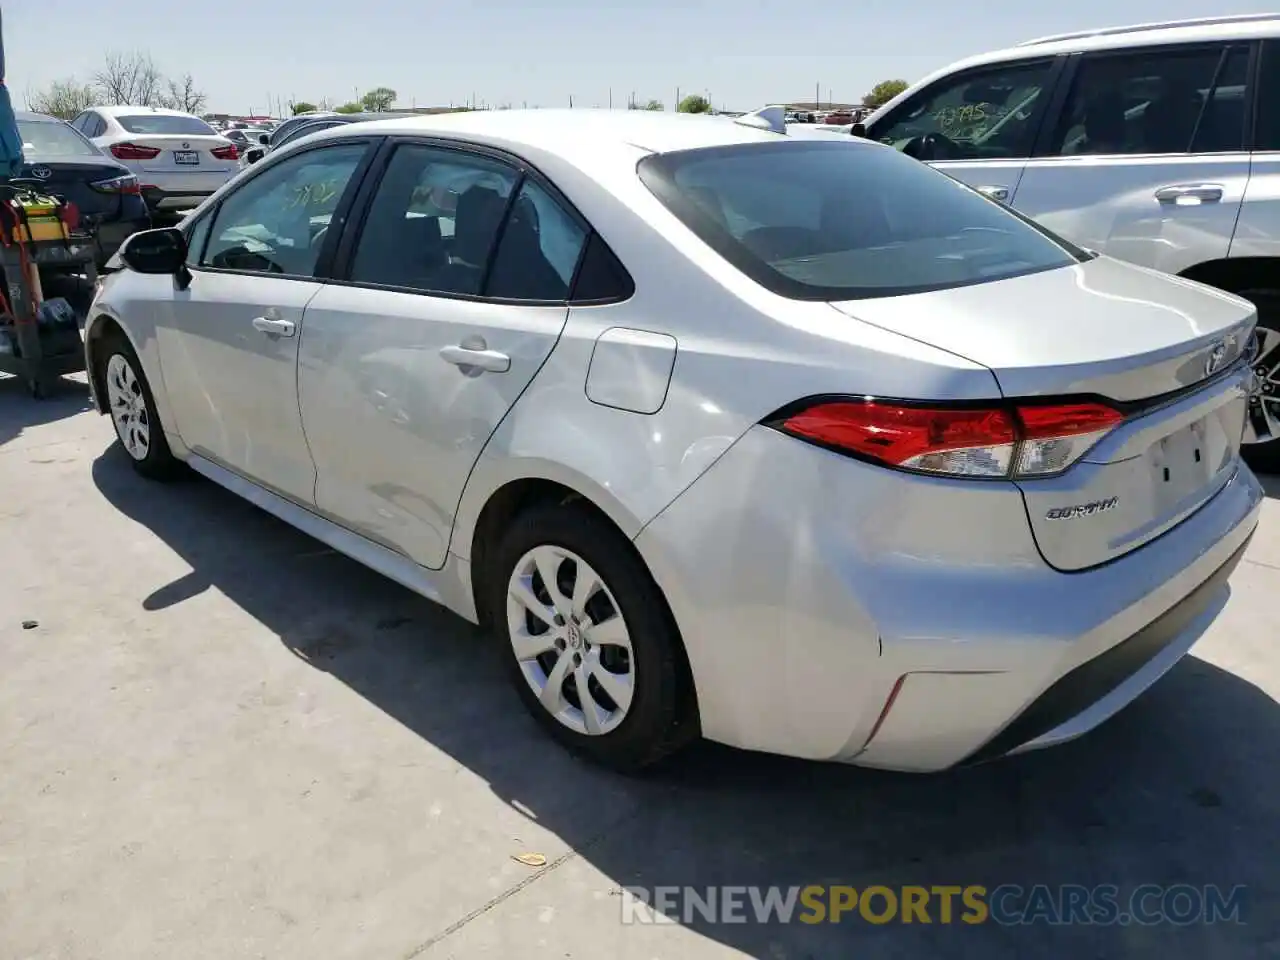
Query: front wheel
{"type": "Point", "coordinates": [133, 412]}
{"type": "Point", "coordinates": [590, 643]}
{"type": "Point", "coordinates": [1262, 426]}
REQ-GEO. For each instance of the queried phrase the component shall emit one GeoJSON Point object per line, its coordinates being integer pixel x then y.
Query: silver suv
{"type": "Point", "coordinates": [1158, 144]}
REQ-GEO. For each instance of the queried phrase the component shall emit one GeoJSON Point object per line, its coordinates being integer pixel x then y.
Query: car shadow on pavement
{"type": "Point", "coordinates": [19, 411]}
{"type": "Point", "coordinates": [1180, 788]}
{"type": "Point", "coordinates": [1270, 484]}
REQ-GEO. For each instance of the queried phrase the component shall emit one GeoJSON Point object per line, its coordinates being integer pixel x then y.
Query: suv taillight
{"type": "Point", "coordinates": [1016, 440]}
{"type": "Point", "coordinates": [133, 151]}
{"type": "Point", "coordinates": [229, 152]}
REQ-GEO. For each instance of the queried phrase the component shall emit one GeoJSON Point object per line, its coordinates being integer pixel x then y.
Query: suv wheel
{"type": "Point", "coordinates": [1262, 426]}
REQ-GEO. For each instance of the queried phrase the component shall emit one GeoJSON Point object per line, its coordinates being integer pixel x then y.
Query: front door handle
{"type": "Point", "coordinates": [1198, 192]}
{"type": "Point", "coordinates": [274, 327]}
{"type": "Point", "coordinates": [476, 357]}
{"type": "Point", "coordinates": [996, 192]}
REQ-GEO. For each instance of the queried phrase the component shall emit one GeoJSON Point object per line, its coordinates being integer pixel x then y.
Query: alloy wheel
{"type": "Point", "coordinates": [128, 407]}
{"type": "Point", "coordinates": [570, 640]}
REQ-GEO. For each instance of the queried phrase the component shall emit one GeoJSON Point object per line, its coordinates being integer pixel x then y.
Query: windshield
{"type": "Point", "coordinates": [816, 220]}
{"type": "Point", "coordinates": [48, 139]}
{"type": "Point", "coordinates": [163, 123]}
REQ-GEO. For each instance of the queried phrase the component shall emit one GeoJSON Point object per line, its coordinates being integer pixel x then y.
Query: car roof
{"type": "Point", "coordinates": [126, 111]}
{"type": "Point", "coordinates": [1232, 27]}
{"type": "Point", "coordinates": [569, 133]}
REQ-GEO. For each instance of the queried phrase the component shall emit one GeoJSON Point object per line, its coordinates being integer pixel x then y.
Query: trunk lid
{"type": "Point", "coordinates": [1168, 353]}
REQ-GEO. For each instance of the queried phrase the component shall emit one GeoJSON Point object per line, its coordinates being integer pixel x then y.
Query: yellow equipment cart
{"type": "Point", "coordinates": [39, 341]}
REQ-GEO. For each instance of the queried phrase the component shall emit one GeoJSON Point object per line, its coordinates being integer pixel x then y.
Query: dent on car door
{"type": "Point", "coordinates": [1146, 161]}
{"type": "Point", "coordinates": [978, 126]}
{"type": "Point", "coordinates": [408, 368]}
{"type": "Point", "coordinates": [230, 348]}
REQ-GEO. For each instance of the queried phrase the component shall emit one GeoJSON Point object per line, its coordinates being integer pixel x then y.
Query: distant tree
{"type": "Point", "coordinates": [303, 107]}
{"type": "Point", "coordinates": [654, 105]}
{"type": "Point", "coordinates": [64, 99]}
{"type": "Point", "coordinates": [352, 107]}
{"type": "Point", "coordinates": [129, 79]}
{"type": "Point", "coordinates": [182, 95]}
{"type": "Point", "coordinates": [883, 92]}
{"type": "Point", "coordinates": [378, 100]}
{"type": "Point", "coordinates": [694, 103]}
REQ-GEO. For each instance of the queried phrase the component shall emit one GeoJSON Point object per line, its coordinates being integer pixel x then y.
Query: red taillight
{"type": "Point", "coordinates": [133, 151]}
{"type": "Point", "coordinates": [127, 184]}
{"type": "Point", "coordinates": [1021, 440]}
{"type": "Point", "coordinates": [229, 152]}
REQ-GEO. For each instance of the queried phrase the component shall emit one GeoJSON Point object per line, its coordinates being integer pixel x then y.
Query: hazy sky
{"type": "Point", "coordinates": [745, 53]}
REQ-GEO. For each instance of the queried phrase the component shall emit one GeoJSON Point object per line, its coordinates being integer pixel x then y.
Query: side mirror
{"type": "Point", "coordinates": [254, 154]}
{"type": "Point", "coordinates": [263, 139]}
{"type": "Point", "coordinates": [162, 251]}
{"type": "Point", "coordinates": [859, 129]}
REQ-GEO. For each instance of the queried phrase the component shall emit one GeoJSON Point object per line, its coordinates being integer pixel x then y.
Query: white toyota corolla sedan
{"type": "Point", "coordinates": [795, 444]}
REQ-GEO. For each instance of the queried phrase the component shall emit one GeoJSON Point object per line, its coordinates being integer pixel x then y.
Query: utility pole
{"type": "Point", "coordinates": [817, 95]}
{"type": "Point", "coordinates": [611, 98]}
{"type": "Point", "coordinates": [677, 106]}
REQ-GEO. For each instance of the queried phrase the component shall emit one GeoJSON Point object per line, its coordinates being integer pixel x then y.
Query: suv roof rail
{"type": "Point", "coordinates": [1162, 25]}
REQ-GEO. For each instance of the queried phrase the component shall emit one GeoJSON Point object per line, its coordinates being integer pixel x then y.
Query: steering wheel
{"type": "Point", "coordinates": [933, 146]}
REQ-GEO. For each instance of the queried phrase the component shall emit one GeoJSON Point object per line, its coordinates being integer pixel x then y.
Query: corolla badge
{"type": "Point", "coordinates": [44, 173]}
{"type": "Point", "coordinates": [1217, 357]}
{"type": "Point", "coordinates": [1082, 509]}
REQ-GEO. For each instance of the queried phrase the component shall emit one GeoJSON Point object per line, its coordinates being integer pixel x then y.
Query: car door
{"type": "Point", "coordinates": [454, 292]}
{"type": "Point", "coordinates": [977, 125]}
{"type": "Point", "coordinates": [1146, 160]}
{"type": "Point", "coordinates": [1258, 227]}
{"type": "Point", "coordinates": [229, 348]}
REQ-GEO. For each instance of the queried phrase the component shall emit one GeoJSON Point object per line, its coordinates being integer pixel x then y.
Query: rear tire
{"type": "Point", "coordinates": [133, 411]}
{"type": "Point", "coordinates": [604, 626]}
{"type": "Point", "coordinates": [1264, 408]}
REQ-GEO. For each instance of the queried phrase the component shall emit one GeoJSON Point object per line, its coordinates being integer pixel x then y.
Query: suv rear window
{"type": "Point", "coordinates": [846, 220]}
{"type": "Point", "coordinates": [162, 123]}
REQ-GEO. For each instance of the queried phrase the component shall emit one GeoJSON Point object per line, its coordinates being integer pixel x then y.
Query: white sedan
{"type": "Point", "coordinates": [710, 442]}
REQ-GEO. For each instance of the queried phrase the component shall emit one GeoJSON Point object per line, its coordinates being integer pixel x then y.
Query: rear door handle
{"type": "Point", "coordinates": [1200, 192]}
{"type": "Point", "coordinates": [477, 358]}
{"type": "Point", "coordinates": [996, 192]}
{"type": "Point", "coordinates": [274, 327]}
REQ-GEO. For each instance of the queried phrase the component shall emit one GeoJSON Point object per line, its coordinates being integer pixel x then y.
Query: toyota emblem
{"type": "Point", "coordinates": [1217, 356]}
{"type": "Point", "coordinates": [44, 173]}
{"type": "Point", "coordinates": [185, 145]}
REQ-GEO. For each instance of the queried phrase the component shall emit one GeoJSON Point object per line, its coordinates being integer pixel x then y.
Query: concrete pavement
{"type": "Point", "coordinates": [222, 740]}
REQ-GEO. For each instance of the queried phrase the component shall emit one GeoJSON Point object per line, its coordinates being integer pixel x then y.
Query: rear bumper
{"type": "Point", "coordinates": [111, 234]}
{"type": "Point", "coordinates": [835, 610]}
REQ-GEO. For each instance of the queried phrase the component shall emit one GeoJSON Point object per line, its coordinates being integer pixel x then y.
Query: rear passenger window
{"type": "Point", "coordinates": [1268, 133]}
{"type": "Point", "coordinates": [539, 250]}
{"type": "Point", "coordinates": [433, 221]}
{"type": "Point", "coordinates": [1156, 102]}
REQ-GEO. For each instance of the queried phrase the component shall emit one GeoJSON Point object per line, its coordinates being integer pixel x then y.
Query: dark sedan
{"type": "Point", "coordinates": [105, 192]}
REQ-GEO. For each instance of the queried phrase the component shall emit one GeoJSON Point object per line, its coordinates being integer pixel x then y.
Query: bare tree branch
{"type": "Point", "coordinates": [129, 79]}
{"type": "Point", "coordinates": [182, 95]}
{"type": "Point", "coordinates": [64, 99]}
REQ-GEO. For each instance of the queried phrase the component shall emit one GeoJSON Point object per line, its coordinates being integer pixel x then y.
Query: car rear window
{"type": "Point", "coordinates": [163, 123]}
{"type": "Point", "coordinates": [45, 139]}
{"type": "Point", "coordinates": [813, 220]}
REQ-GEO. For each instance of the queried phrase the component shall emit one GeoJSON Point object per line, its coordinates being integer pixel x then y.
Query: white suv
{"type": "Point", "coordinates": [1158, 144]}
{"type": "Point", "coordinates": [178, 158]}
